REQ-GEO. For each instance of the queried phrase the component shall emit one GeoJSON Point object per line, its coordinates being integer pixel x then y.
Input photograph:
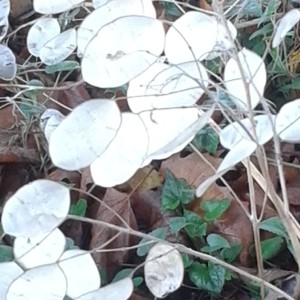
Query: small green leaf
{"type": "Point", "coordinates": [78, 208]}
{"type": "Point", "coordinates": [70, 244]}
{"type": "Point", "coordinates": [66, 65]}
{"type": "Point", "coordinates": [195, 226]}
{"type": "Point", "coordinates": [295, 85]}
{"type": "Point", "coordinates": [176, 191]}
{"type": "Point", "coordinates": [206, 138]}
{"type": "Point", "coordinates": [144, 249]}
{"type": "Point", "coordinates": [122, 274]}
{"type": "Point", "coordinates": [214, 208]}
{"type": "Point", "coordinates": [217, 276]}
{"type": "Point", "coordinates": [209, 277]}
{"type": "Point", "coordinates": [215, 242]}
{"type": "Point", "coordinates": [271, 247]}
{"type": "Point", "coordinates": [126, 273]}
{"type": "Point", "coordinates": [6, 253]}
{"type": "Point", "coordinates": [137, 281]}
{"type": "Point", "coordinates": [252, 8]}
{"type": "Point", "coordinates": [171, 9]}
{"type": "Point", "coordinates": [103, 275]}
{"type": "Point", "coordinates": [264, 31]}
{"type": "Point", "coordinates": [199, 275]}
{"type": "Point", "coordinates": [259, 48]}
{"type": "Point", "coordinates": [186, 260]}
{"type": "Point", "coordinates": [273, 225]}
{"type": "Point", "coordinates": [34, 86]}
{"type": "Point", "coordinates": [176, 224]}
{"type": "Point", "coordinates": [229, 255]}
{"type": "Point", "coordinates": [271, 9]}
{"type": "Point", "coordinates": [29, 108]}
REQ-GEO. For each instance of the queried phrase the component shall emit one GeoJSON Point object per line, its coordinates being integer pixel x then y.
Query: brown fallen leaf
{"type": "Point", "coordinates": [204, 5]}
{"type": "Point", "coordinates": [13, 176]}
{"type": "Point", "coordinates": [70, 98]}
{"type": "Point", "coordinates": [19, 8]}
{"type": "Point", "coordinates": [146, 178]}
{"type": "Point", "coordinates": [292, 180]}
{"type": "Point", "coordinates": [16, 154]}
{"type": "Point", "coordinates": [119, 206]}
{"type": "Point", "coordinates": [9, 116]}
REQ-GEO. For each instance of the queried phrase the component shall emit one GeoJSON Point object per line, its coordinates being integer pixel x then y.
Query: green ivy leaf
{"type": "Point", "coordinates": [271, 247]}
{"type": "Point", "coordinates": [252, 8]}
{"type": "Point", "coordinates": [78, 208]}
{"type": "Point", "coordinates": [66, 65]}
{"type": "Point", "coordinates": [171, 9]}
{"type": "Point", "coordinates": [137, 281]}
{"type": "Point", "coordinates": [273, 225]}
{"type": "Point", "coordinates": [214, 208]}
{"type": "Point", "coordinates": [217, 276]}
{"type": "Point", "coordinates": [264, 31]}
{"type": "Point", "coordinates": [271, 9]}
{"type": "Point", "coordinates": [195, 226]}
{"type": "Point", "coordinates": [32, 91]}
{"type": "Point", "coordinates": [6, 253]}
{"type": "Point", "coordinates": [70, 244]}
{"type": "Point", "coordinates": [126, 273]}
{"type": "Point", "coordinates": [209, 277]}
{"type": "Point", "coordinates": [215, 242]}
{"type": "Point", "coordinates": [176, 224]}
{"type": "Point", "coordinates": [206, 138]}
{"type": "Point", "coordinates": [176, 191]}
{"type": "Point", "coordinates": [230, 254]}
{"type": "Point", "coordinates": [144, 249]}
{"type": "Point", "coordinates": [186, 260]}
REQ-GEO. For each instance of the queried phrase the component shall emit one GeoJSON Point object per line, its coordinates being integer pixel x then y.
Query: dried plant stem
{"type": "Point", "coordinates": [255, 228]}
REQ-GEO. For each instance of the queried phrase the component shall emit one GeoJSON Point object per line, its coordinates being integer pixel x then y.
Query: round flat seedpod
{"type": "Point", "coordinates": [223, 42]}
{"type": "Point", "coordinates": [41, 250]}
{"type": "Point", "coordinates": [286, 23]}
{"type": "Point", "coordinates": [120, 290]}
{"type": "Point", "coordinates": [4, 9]}
{"type": "Point", "coordinates": [84, 134]}
{"type": "Point", "coordinates": [44, 282]}
{"type": "Point", "coordinates": [49, 121]}
{"type": "Point", "coordinates": [81, 272]}
{"type": "Point", "coordinates": [244, 130]}
{"type": "Point", "coordinates": [165, 86]}
{"type": "Point", "coordinates": [4, 25]}
{"type": "Point", "coordinates": [164, 270]}
{"type": "Point", "coordinates": [59, 48]}
{"type": "Point", "coordinates": [108, 11]}
{"type": "Point", "coordinates": [54, 6]}
{"type": "Point", "coordinates": [255, 74]}
{"type": "Point", "coordinates": [116, 61]}
{"type": "Point", "coordinates": [124, 155]}
{"type": "Point", "coordinates": [170, 130]}
{"type": "Point", "coordinates": [288, 122]}
{"type": "Point", "coordinates": [9, 271]}
{"type": "Point", "coordinates": [36, 208]}
{"type": "Point", "coordinates": [240, 151]}
{"type": "Point", "coordinates": [191, 37]}
{"type": "Point", "coordinates": [41, 32]}
{"type": "Point", "coordinates": [8, 66]}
